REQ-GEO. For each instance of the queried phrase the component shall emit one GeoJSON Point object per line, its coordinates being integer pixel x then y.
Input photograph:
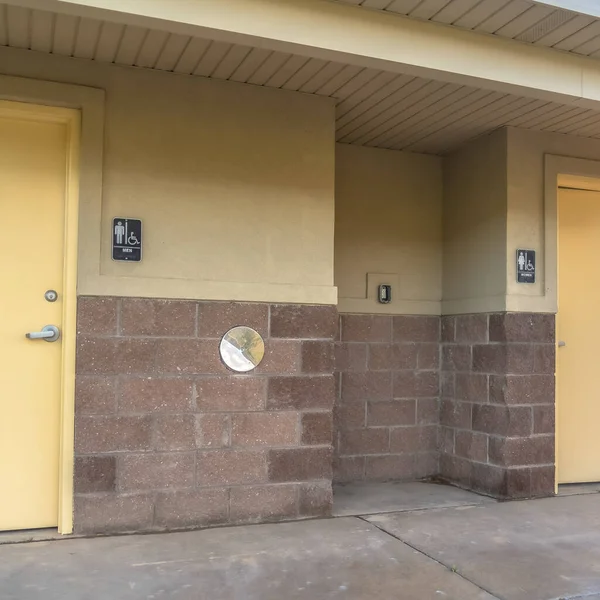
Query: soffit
{"type": "Point", "coordinates": [374, 107]}
{"type": "Point", "coordinates": [520, 20]}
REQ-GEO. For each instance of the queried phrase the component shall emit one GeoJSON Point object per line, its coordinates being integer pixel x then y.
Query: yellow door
{"type": "Point", "coordinates": [578, 334]}
{"type": "Point", "coordinates": [33, 174]}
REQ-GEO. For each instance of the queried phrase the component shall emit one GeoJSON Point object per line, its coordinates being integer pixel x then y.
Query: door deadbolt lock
{"type": "Point", "coordinates": [51, 296]}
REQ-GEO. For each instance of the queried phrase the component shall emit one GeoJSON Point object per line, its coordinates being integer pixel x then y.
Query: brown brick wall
{"type": "Point", "coordinates": [387, 409]}
{"type": "Point", "coordinates": [497, 407]}
{"type": "Point", "coordinates": [167, 437]}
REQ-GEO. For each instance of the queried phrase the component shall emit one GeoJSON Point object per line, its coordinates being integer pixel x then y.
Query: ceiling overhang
{"type": "Point", "coordinates": [383, 98]}
{"type": "Point", "coordinates": [567, 25]}
{"type": "Point", "coordinates": [335, 31]}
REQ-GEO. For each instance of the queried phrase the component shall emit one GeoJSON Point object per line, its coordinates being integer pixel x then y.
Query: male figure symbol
{"type": "Point", "coordinates": [119, 232]}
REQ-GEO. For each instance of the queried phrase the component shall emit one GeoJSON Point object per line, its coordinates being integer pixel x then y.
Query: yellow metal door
{"type": "Point", "coordinates": [578, 332]}
{"type": "Point", "coordinates": [33, 169]}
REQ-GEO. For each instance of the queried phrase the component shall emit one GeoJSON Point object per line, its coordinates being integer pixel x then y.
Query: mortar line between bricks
{"type": "Point", "coordinates": [439, 562]}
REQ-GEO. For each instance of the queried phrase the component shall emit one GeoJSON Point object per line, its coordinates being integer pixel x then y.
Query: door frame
{"type": "Point", "coordinates": [71, 119]}
{"type": "Point", "coordinates": [81, 108]}
{"type": "Point", "coordinates": [554, 167]}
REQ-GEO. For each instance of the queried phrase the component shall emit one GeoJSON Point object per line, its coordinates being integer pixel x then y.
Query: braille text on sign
{"type": "Point", "coordinates": [525, 266]}
{"type": "Point", "coordinates": [127, 239]}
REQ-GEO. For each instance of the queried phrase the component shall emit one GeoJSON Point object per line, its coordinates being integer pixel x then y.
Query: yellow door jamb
{"type": "Point", "coordinates": [72, 120]}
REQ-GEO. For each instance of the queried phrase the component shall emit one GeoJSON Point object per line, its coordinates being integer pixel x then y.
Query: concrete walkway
{"type": "Point", "coordinates": [360, 499]}
{"type": "Point", "coordinates": [534, 550]}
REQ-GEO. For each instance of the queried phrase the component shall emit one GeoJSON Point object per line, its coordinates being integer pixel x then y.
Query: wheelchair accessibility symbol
{"type": "Point", "coordinates": [132, 240]}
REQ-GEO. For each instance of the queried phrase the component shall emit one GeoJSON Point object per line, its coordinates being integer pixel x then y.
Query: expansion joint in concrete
{"type": "Point", "coordinates": [433, 558]}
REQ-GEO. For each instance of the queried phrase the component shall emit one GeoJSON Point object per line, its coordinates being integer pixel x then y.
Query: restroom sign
{"type": "Point", "coordinates": [525, 266]}
{"type": "Point", "coordinates": [127, 239]}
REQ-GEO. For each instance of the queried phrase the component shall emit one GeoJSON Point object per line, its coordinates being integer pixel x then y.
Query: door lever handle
{"type": "Point", "coordinates": [50, 333]}
{"type": "Point", "coordinates": [562, 344]}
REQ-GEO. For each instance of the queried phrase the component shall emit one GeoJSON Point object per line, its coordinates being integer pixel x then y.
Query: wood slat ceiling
{"type": "Point", "coordinates": [374, 108]}
{"type": "Point", "coordinates": [521, 20]}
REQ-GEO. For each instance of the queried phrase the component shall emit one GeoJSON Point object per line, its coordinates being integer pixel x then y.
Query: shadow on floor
{"type": "Point", "coordinates": [354, 499]}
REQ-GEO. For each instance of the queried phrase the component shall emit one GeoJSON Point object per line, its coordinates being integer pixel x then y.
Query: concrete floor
{"type": "Point", "coordinates": [533, 550]}
{"type": "Point", "coordinates": [375, 498]}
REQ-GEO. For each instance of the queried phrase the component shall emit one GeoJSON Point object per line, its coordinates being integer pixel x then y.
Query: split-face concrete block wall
{"type": "Point", "coordinates": [497, 406]}
{"type": "Point", "coordinates": [167, 437]}
{"type": "Point", "coordinates": [387, 408]}
{"type": "Point", "coordinates": [492, 429]}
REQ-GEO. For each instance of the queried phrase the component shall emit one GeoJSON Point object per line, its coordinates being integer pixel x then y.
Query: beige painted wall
{"type": "Point", "coordinates": [499, 196]}
{"type": "Point", "coordinates": [532, 204]}
{"type": "Point", "coordinates": [235, 184]}
{"type": "Point", "coordinates": [474, 273]}
{"type": "Point", "coordinates": [388, 229]}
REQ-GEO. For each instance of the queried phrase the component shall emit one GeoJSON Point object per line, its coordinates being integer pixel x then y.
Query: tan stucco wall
{"type": "Point", "coordinates": [388, 229]}
{"type": "Point", "coordinates": [530, 208]}
{"type": "Point", "coordinates": [234, 184]}
{"type": "Point", "coordinates": [499, 196]}
{"type": "Point", "coordinates": [474, 272]}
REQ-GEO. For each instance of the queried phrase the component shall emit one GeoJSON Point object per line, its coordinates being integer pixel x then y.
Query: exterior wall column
{"type": "Point", "coordinates": [497, 407]}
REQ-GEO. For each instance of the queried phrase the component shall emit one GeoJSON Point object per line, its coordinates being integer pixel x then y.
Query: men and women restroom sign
{"type": "Point", "coordinates": [127, 246]}
{"type": "Point", "coordinates": [525, 266]}
{"type": "Point", "coordinates": [127, 239]}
